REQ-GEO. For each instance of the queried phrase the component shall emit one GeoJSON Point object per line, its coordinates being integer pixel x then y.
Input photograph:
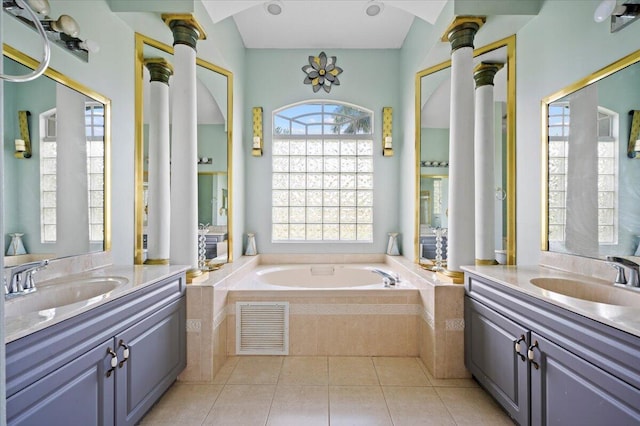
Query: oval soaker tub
{"type": "Point", "coordinates": [322, 276]}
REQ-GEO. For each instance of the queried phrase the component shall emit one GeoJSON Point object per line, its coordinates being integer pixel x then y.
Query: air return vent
{"type": "Point", "coordinates": [262, 328]}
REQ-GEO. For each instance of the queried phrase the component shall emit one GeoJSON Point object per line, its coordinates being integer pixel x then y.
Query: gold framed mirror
{"type": "Point", "coordinates": [41, 170]}
{"type": "Point", "coordinates": [215, 129]}
{"type": "Point", "coordinates": [590, 131]}
{"type": "Point", "coordinates": [432, 153]}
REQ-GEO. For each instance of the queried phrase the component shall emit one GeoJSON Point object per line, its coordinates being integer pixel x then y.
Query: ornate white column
{"type": "Point", "coordinates": [184, 144]}
{"type": "Point", "coordinates": [159, 177]}
{"type": "Point", "coordinates": [484, 163]}
{"type": "Point", "coordinates": [461, 231]}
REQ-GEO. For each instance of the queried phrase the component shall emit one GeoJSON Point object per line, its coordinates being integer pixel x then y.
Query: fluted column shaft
{"type": "Point", "coordinates": [461, 232]}
{"type": "Point", "coordinates": [159, 177]}
{"type": "Point", "coordinates": [484, 164]}
{"type": "Point", "coordinates": [184, 148]}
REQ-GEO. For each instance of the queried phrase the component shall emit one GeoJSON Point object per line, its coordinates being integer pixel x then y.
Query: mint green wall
{"type": "Point", "coordinates": [22, 176]}
{"type": "Point", "coordinates": [370, 79]}
{"type": "Point", "coordinates": [555, 49]}
{"type": "Point", "coordinates": [212, 143]}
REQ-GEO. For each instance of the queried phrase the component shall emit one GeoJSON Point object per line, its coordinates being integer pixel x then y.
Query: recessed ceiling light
{"type": "Point", "coordinates": [373, 8]}
{"type": "Point", "coordinates": [273, 7]}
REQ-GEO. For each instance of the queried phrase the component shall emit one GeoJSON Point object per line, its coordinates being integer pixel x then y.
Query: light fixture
{"type": "Point", "coordinates": [65, 24]}
{"type": "Point", "coordinates": [373, 8]}
{"type": "Point", "coordinates": [256, 142]}
{"type": "Point", "coordinates": [63, 31]}
{"type": "Point", "coordinates": [633, 148]}
{"type": "Point", "coordinates": [273, 7]}
{"type": "Point", "coordinates": [387, 130]}
{"type": "Point", "coordinates": [621, 15]}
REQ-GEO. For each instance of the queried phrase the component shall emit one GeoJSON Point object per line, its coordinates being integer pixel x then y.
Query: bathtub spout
{"type": "Point", "coordinates": [389, 279]}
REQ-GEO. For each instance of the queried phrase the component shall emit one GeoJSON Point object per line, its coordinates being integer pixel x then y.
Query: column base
{"type": "Point", "coordinates": [156, 262]}
{"type": "Point", "coordinates": [486, 262]}
{"type": "Point", "coordinates": [454, 277]}
{"type": "Point", "coordinates": [196, 276]}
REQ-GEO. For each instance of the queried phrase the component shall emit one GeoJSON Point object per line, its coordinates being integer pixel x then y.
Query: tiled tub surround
{"type": "Point", "coordinates": [422, 317]}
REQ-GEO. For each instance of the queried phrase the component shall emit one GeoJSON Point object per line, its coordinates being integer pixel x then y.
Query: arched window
{"type": "Point", "coordinates": [322, 181]}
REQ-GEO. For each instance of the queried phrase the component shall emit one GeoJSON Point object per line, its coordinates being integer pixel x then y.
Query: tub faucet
{"type": "Point", "coordinates": [620, 264]}
{"type": "Point", "coordinates": [21, 278]}
{"type": "Point", "coordinates": [389, 279]}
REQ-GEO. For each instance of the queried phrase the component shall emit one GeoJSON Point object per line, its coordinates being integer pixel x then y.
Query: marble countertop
{"type": "Point", "coordinates": [21, 319]}
{"type": "Point", "coordinates": [625, 318]}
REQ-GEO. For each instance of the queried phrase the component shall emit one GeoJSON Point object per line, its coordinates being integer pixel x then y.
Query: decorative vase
{"type": "Point", "coordinates": [251, 245]}
{"type": "Point", "coordinates": [202, 245]}
{"type": "Point", "coordinates": [392, 246]}
{"type": "Point", "coordinates": [16, 246]}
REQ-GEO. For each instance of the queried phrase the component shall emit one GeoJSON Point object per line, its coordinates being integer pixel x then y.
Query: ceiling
{"type": "Point", "coordinates": [324, 23]}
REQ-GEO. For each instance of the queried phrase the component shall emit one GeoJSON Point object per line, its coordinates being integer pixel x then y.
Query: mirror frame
{"type": "Point", "coordinates": [594, 77]}
{"type": "Point", "coordinates": [58, 77]}
{"type": "Point", "coordinates": [510, 44]}
{"type": "Point", "coordinates": [140, 41]}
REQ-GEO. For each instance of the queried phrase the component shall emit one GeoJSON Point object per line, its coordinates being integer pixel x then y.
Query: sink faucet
{"type": "Point", "coordinates": [389, 279]}
{"type": "Point", "coordinates": [21, 278]}
{"type": "Point", "coordinates": [620, 264]}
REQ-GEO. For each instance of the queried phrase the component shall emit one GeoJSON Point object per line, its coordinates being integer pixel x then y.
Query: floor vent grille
{"type": "Point", "coordinates": [262, 328]}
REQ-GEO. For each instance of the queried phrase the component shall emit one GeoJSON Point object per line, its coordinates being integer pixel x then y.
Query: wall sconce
{"type": "Point", "coordinates": [205, 160]}
{"type": "Point", "coordinates": [387, 127]}
{"type": "Point", "coordinates": [633, 149]}
{"type": "Point", "coordinates": [23, 146]}
{"type": "Point", "coordinates": [63, 31]}
{"type": "Point", "coordinates": [256, 143]}
{"type": "Point", "coordinates": [621, 15]}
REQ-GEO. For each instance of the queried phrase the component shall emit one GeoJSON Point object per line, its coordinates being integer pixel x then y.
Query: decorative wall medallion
{"type": "Point", "coordinates": [322, 72]}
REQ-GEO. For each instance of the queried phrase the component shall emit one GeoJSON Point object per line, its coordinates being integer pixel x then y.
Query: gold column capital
{"type": "Point", "coordinates": [462, 31]}
{"type": "Point", "coordinates": [185, 28]}
{"type": "Point", "coordinates": [159, 68]}
{"type": "Point", "coordinates": [484, 73]}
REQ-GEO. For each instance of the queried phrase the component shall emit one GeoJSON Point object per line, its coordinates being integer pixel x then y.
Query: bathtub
{"type": "Point", "coordinates": [319, 277]}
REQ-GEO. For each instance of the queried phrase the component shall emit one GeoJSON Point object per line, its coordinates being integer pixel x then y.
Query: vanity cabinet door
{"type": "Point", "coordinates": [78, 393]}
{"type": "Point", "coordinates": [490, 355]}
{"type": "Point", "coordinates": [156, 354]}
{"type": "Point", "coordinates": [566, 390]}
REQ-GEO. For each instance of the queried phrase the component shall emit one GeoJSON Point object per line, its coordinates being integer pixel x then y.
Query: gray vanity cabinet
{"type": "Point", "coordinates": [106, 366]}
{"type": "Point", "coordinates": [490, 355]}
{"type": "Point", "coordinates": [546, 365]}
{"type": "Point", "coordinates": [566, 390]}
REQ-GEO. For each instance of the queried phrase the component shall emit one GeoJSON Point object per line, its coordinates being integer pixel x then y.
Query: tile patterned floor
{"type": "Point", "coordinates": [336, 391]}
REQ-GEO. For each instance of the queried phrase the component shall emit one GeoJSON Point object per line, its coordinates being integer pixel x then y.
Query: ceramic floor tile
{"type": "Point", "coordinates": [352, 371]}
{"type": "Point", "coordinates": [295, 405]}
{"type": "Point", "coordinates": [308, 370]}
{"type": "Point", "coordinates": [358, 405]}
{"type": "Point", "coordinates": [416, 406]}
{"type": "Point", "coordinates": [472, 406]}
{"type": "Point", "coordinates": [451, 383]}
{"type": "Point", "coordinates": [256, 370]}
{"type": "Point", "coordinates": [400, 372]}
{"type": "Point", "coordinates": [241, 405]}
{"type": "Point", "coordinates": [223, 375]}
{"type": "Point", "coordinates": [184, 404]}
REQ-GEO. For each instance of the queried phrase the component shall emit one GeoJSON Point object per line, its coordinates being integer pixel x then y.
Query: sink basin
{"type": "Point", "coordinates": [589, 292]}
{"type": "Point", "coordinates": [89, 290]}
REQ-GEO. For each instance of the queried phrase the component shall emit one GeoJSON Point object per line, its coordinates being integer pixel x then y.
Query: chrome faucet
{"type": "Point", "coordinates": [21, 278]}
{"type": "Point", "coordinates": [620, 264]}
{"type": "Point", "coordinates": [389, 279]}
